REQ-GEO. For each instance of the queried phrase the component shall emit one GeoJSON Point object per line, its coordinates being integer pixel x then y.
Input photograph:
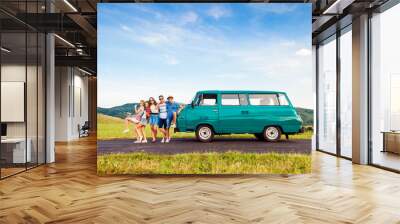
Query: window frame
{"type": "Point", "coordinates": [286, 98]}
{"type": "Point", "coordinates": [200, 97]}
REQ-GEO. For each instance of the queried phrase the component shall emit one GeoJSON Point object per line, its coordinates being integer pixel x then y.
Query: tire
{"type": "Point", "coordinates": [272, 133]}
{"type": "Point", "coordinates": [204, 133]}
{"type": "Point", "coordinates": [260, 136]}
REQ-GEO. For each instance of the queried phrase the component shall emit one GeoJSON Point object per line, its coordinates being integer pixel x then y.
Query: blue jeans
{"type": "Point", "coordinates": [153, 120]}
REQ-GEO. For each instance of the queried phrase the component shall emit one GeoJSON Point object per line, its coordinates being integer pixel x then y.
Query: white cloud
{"type": "Point", "coordinates": [164, 35]}
{"type": "Point", "coordinates": [189, 17]}
{"type": "Point", "coordinates": [218, 12]}
{"type": "Point", "coordinates": [303, 52]}
{"type": "Point", "coordinates": [149, 10]}
{"type": "Point", "coordinates": [126, 28]}
{"type": "Point", "coordinates": [171, 60]}
{"type": "Point", "coordinates": [288, 43]}
{"type": "Point", "coordinates": [273, 8]}
{"type": "Point", "coordinates": [153, 39]}
{"type": "Point", "coordinates": [234, 76]}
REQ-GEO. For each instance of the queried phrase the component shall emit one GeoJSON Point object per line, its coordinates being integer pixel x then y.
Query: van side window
{"type": "Point", "coordinates": [208, 100]}
{"type": "Point", "coordinates": [230, 100]}
{"type": "Point", "coordinates": [264, 99]}
{"type": "Point", "coordinates": [233, 99]}
{"type": "Point", "coordinates": [283, 100]}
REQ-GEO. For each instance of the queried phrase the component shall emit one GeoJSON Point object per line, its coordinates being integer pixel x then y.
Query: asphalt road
{"type": "Point", "coordinates": [192, 145]}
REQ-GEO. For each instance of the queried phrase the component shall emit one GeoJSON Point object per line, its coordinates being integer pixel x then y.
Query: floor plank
{"type": "Point", "coordinates": [69, 191]}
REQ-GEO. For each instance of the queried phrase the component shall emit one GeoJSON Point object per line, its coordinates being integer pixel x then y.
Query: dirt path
{"type": "Point", "coordinates": [191, 145]}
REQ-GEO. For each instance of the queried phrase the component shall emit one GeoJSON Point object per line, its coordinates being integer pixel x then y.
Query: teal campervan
{"type": "Point", "coordinates": [266, 114]}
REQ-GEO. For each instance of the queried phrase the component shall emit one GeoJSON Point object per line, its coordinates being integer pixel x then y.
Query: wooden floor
{"type": "Point", "coordinates": [387, 159]}
{"type": "Point", "coordinates": [69, 191]}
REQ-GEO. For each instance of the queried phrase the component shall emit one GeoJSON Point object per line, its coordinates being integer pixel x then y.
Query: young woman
{"type": "Point", "coordinates": [131, 118]}
{"type": "Point", "coordinates": [141, 125]}
{"type": "Point", "coordinates": [153, 120]}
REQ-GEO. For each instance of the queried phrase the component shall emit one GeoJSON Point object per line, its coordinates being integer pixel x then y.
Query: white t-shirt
{"type": "Point", "coordinates": [163, 110]}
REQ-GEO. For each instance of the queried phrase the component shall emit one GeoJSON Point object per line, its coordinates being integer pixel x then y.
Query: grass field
{"type": "Point", "coordinates": [204, 163]}
{"type": "Point", "coordinates": [111, 128]}
{"type": "Point", "coordinates": [194, 163]}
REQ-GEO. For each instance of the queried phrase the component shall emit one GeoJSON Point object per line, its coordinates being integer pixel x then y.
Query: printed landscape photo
{"type": "Point", "coordinates": [204, 89]}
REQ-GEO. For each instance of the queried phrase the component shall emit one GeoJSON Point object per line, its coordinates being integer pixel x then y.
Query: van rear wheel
{"type": "Point", "coordinates": [204, 133]}
{"type": "Point", "coordinates": [272, 133]}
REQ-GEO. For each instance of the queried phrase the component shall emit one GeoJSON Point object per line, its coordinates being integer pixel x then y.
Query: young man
{"type": "Point", "coordinates": [172, 110]}
{"type": "Point", "coordinates": [163, 119]}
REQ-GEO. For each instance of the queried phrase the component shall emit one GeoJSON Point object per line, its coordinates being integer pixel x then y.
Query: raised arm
{"type": "Point", "coordinates": [180, 108]}
{"type": "Point", "coordinates": [136, 109]}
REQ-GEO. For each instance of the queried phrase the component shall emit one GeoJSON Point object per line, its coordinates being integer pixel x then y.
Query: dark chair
{"type": "Point", "coordinates": [84, 130]}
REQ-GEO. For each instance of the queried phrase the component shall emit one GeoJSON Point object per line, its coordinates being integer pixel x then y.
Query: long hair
{"type": "Point", "coordinates": [140, 104]}
{"type": "Point", "coordinates": [151, 103]}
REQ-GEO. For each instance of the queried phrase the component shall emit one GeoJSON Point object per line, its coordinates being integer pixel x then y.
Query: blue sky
{"type": "Point", "coordinates": [177, 49]}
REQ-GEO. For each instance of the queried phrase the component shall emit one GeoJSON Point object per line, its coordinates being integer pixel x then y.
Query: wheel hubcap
{"type": "Point", "coordinates": [272, 133]}
{"type": "Point", "coordinates": [205, 132]}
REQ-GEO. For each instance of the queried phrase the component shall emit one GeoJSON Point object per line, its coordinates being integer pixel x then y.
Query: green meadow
{"type": "Point", "coordinates": [204, 163]}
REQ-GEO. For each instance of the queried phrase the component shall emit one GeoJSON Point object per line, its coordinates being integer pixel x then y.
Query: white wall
{"type": "Point", "coordinates": [33, 126]}
{"type": "Point", "coordinates": [62, 82]}
{"type": "Point", "coordinates": [12, 73]}
{"type": "Point", "coordinates": [71, 102]}
{"type": "Point", "coordinates": [17, 73]}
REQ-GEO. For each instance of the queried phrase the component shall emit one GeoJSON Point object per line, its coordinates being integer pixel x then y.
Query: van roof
{"type": "Point", "coordinates": [239, 91]}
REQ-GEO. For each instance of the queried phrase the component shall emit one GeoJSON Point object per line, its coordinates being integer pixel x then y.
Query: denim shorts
{"type": "Point", "coordinates": [163, 123]}
{"type": "Point", "coordinates": [153, 120]}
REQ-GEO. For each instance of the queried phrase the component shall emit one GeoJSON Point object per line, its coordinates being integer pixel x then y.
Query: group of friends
{"type": "Point", "coordinates": [161, 116]}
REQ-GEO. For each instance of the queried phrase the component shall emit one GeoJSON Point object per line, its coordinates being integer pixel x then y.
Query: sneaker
{"type": "Point", "coordinates": [138, 141]}
{"type": "Point", "coordinates": [154, 140]}
{"type": "Point", "coordinates": [144, 141]}
{"type": "Point", "coordinates": [125, 131]}
{"type": "Point", "coordinates": [162, 140]}
{"type": "Point", "coordinates": [167, 141]}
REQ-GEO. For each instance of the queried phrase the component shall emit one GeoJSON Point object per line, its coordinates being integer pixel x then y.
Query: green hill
{"type": "Point", "coordinates": [307, 115]}
{"type": "Point", "coordinates": [120, 111]}
{"type": "Point", "coordinates": [117, 111]}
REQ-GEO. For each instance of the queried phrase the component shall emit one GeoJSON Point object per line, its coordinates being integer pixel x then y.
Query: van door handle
{"type": "Point", "coordinates": [215, 110]}
{"type": "Point", "coordinates": [245, 112]}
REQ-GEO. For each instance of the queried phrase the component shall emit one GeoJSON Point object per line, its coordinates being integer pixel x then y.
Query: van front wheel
{"type": "Point", "coordinates": [272, 133]}
{"type": "Point", "coordinates": [204, 133]}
